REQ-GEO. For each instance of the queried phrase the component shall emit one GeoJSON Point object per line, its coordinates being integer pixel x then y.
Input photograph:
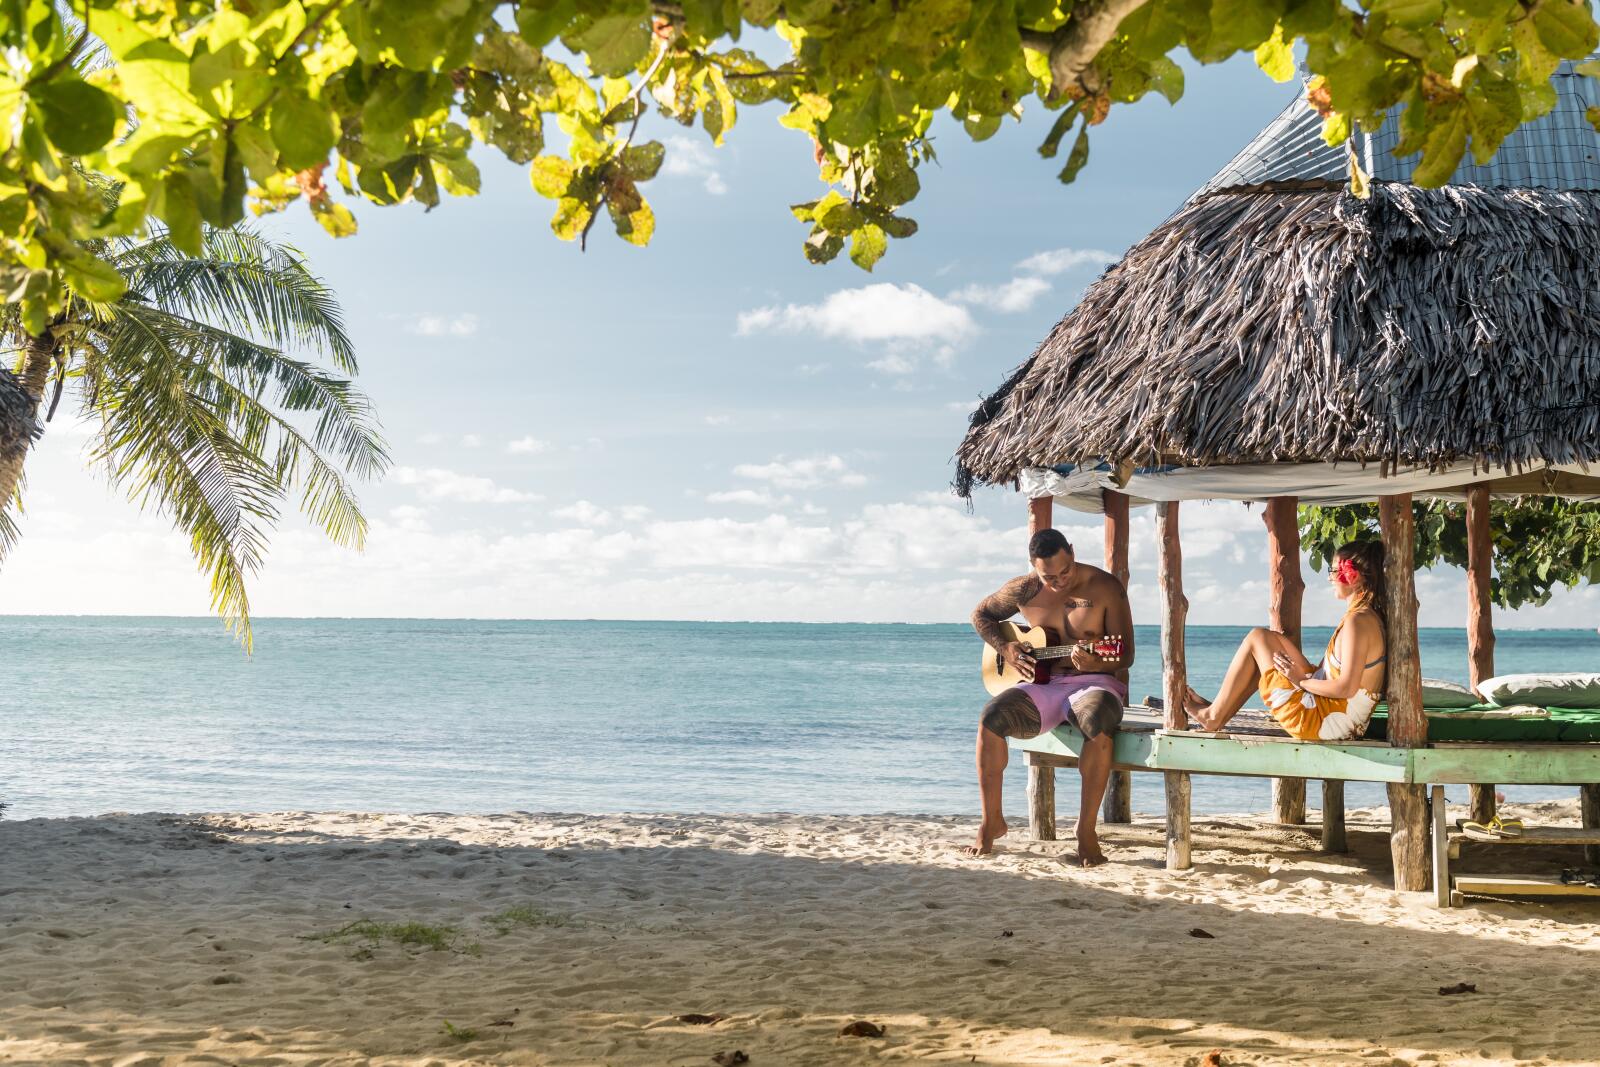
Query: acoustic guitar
{"type": "Point", "coordinates": [998, 675]}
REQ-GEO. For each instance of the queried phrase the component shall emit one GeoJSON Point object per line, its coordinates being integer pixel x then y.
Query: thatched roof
{"type": "Point", "coordinates": [1289, 321]}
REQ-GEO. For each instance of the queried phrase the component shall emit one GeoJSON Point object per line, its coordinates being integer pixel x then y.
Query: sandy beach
{"type": "Point", "coordinates": [570, 939]}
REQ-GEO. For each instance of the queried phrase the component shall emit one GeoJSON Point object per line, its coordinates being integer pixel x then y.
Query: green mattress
{"type": "Point", "coordinates": [1458, 724]}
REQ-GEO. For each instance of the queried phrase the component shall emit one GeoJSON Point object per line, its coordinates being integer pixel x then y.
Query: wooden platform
{"type": "Point", "coordinates": [1255, 746]}
{"type": "Point", "coordinates": [1502, 886]}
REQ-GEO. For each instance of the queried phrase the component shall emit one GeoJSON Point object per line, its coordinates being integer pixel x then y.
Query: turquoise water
{"type": "Point", "coordinates": [140, 714]}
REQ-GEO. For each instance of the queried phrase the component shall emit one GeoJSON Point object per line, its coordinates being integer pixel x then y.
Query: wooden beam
{"type": "Point", "coordinates": [1288, 594]}
{"type": "Point", "coordinates": [1480, 619]}
{"type": "Point", "coordinates": [1174, 676]}
{"type": "Point", "coordinates": [1118, 804]}
{"type": "Point", "coordinates": [1441, 849]}
{"type": "Point", "coordinates": [1408, 725]}
{"type": "Point", "coordinates": [1040, 510]}
{"type": "Point", "coordinates": [1333, 835]}
{"type": "Point", "coordinates": [1589, 808]}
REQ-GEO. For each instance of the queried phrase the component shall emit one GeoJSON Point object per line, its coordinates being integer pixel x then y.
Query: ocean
{"type": "Point", "coordinates": [106, 714]}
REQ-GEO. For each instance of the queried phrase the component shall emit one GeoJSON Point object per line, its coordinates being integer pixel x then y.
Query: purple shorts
{"type": "Point", "coordinates": [1055, 698]}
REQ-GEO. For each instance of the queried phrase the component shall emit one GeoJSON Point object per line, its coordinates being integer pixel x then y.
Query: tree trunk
{"type": "Point", "coordinates": [1480, 618]}
{"type": "Point", "coordinates": [1118, 804]}
{"type": "Point", "coordinates": [1174, 676]}
{"type": "Point", "coordinates": [40, 352]}
{"type": "Point", "coordinates": [1408, 725]}
{"type": "Point", "coordinates": [1288, 593]}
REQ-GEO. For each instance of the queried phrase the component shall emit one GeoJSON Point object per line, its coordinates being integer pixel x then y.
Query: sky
{"type": "Point", "coordinates": [711, 427]}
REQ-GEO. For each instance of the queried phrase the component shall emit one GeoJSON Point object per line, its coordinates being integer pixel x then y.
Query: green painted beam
{"type": "Point", "coordinates": [1508, 763]}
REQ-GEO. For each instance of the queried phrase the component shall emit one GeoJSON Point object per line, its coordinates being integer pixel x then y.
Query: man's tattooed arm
{"type": "Point", "coordinates": [993, 610]}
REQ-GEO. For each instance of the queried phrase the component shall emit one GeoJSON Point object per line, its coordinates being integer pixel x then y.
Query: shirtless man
{"type": "Point", "coordinates": [1074, 601]}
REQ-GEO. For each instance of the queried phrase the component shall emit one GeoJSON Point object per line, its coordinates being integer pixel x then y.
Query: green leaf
{"type": "Point", "coordinates": [1166, 78]}
{"type": "Point", "coordinates": [823, 247]}
{"type": "Point", "coordinates": [867, 246]}
{"type": "Point", "coordinates": [894, 179]}
{"type": "Point", "coordinates": [181, 212]}
{"type": "Point", "coordinates": [635, 226]}
{"type": "Point", "coordinates": [541, 21]}
{"type": "Point", "coordinates": [551, 176]}
{"type": "Point", "coordinates": [1495, 108]}
{"type": "Point", "coordinates": [995, 43]}
{"type": "Point", "coordinates": [614, 43]}
{"type": "Point", "coordinates": [302, 129]}
{"type": "Point", "coordinates": [91, 277]}
{"type": "Point", "coordinates": [1077, 157]}
{"type": "Point", "coordinates": [570, 218]}
{"type": "Point", "coordinates": [642, 162]}
{"type": "Point", "coordinates": [334, 217]}
{"type": "Point", "coordinates": [79, 118]}
{"type": "Point", "coordinates": [1566, 28]}
{"type": "Point", "coordinates": [1275, 57]}
{"type": "Point", "coordinates": [1058, 130]}
{"type": "Point", "coordinates": [842, 217]}
{"type": "Point", "coordinates": [1443, 147]}
{"type": "Point", "coordinates": [1410, 13]}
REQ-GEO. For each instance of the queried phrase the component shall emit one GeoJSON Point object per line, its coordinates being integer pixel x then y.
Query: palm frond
{"type": "Point", "coordinates": [241, 282]}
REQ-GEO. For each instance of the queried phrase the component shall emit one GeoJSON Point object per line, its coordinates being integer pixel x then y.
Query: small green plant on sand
{"type": "Point", "coordinates": [408, 935]}
{"type": "Point", "coordinates": [525, 915]}
{"type": "Point", "coordinates": [458, 1033]}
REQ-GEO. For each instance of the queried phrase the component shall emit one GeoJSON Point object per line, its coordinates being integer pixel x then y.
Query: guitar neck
{"type": "Point", "coordinates": [1062, 651]}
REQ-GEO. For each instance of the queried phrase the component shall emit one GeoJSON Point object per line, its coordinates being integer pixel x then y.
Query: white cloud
{"type": "Point", "coordinates": [688, 158]}
{"type": "Point", "coordinates": [633, 512]}
{"type": "Point", "coordinates": [718, 420]}
{"type": "Point", "coordinates": [1019, 294]}
{"type": "Point", "coordinates": [527, 446]}
{"type": "Point", "coordinates": [472, 440]}
{"type": "Point", "coordinates": [431, 438]}
{"type": "Point", "coordinates": [811, 370]}
{"type": "Point", "coordinates": [1061, 260]}
{"type": "Point", "coordinates": [761, 498]}
{"type": "Point", "coordinates": [883, 312]}
{"type": "Point", "coordinates": [584, 514]}
{"type": "Point", "coordinates": [443, 326]}
{"type": "Point", "coordinates": [804, 473]}
{"type": "Point", "coordinates": [434, 483]}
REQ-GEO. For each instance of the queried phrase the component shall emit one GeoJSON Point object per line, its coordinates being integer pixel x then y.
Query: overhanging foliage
{"type": "Point", "coordinates": [209, 109]}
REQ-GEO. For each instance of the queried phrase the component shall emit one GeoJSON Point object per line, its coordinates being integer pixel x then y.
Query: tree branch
{"type": "Point", "coordinates": [1073, 48]}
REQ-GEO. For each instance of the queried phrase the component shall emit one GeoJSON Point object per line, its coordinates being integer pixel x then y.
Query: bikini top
{"type": "Point", "coordinates": [1333, 658]}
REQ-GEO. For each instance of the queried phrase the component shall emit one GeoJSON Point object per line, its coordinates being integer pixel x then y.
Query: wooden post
{"type": "Point", "coordinates": [1039, 514]}
{"type": "Point", "coordinates": [1288, 593]}
{"type": "Point", "coordinates": [1174, 676]}
{"type": "Point", "coordinates": [1333, 838]}
{"type": "Point", "coordinates": [1480, 620]}
{"type": "Point", "coordinates": [1041, 801]}
{"type": "Point", "coordinates": [1441, 849]}
{"type": "Point", "coordinates": [1118, 804]}
{"type": "Point", "coordinates": [1589, 807]}
{"type": "Point", "coordinates": [1408, 725]}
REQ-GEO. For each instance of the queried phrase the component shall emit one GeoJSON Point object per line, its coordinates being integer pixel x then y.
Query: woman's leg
{"type": "Point", "coordinates": [1250, 662]}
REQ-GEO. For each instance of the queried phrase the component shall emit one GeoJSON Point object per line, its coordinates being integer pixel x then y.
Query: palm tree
{"type": "Point", "coordinates": [199, 410]}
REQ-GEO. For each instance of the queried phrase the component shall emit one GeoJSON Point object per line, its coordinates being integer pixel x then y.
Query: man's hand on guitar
{"type": "Point", "coordinates": [1019, 657]}
{"type": "Point", "coordinates": [1086, 661]}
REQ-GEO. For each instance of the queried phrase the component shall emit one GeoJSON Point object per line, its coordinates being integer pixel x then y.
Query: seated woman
{"type": "Point", "coordinates": [1333, 702]}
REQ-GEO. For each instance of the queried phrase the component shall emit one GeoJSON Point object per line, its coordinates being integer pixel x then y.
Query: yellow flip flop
{"type": "Point", "coordinates": [1495, 827]}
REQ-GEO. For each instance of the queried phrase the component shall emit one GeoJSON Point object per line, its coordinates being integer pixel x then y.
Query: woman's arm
{"type": "Point", "coordinates": [1351, 648]}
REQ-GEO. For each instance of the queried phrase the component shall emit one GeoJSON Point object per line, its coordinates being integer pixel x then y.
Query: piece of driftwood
{"type": "Point", "coordinates": [1480, 620]}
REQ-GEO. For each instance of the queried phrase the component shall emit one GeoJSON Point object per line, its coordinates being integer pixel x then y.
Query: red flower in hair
{"type": "Point", "coordinates": [1345, 573]}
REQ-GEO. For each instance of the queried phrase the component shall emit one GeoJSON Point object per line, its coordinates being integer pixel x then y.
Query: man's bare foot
{"type": "Point", "coordinates": [988, 834]}
{"type": "Point", "coordinates": [1089, 854]}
